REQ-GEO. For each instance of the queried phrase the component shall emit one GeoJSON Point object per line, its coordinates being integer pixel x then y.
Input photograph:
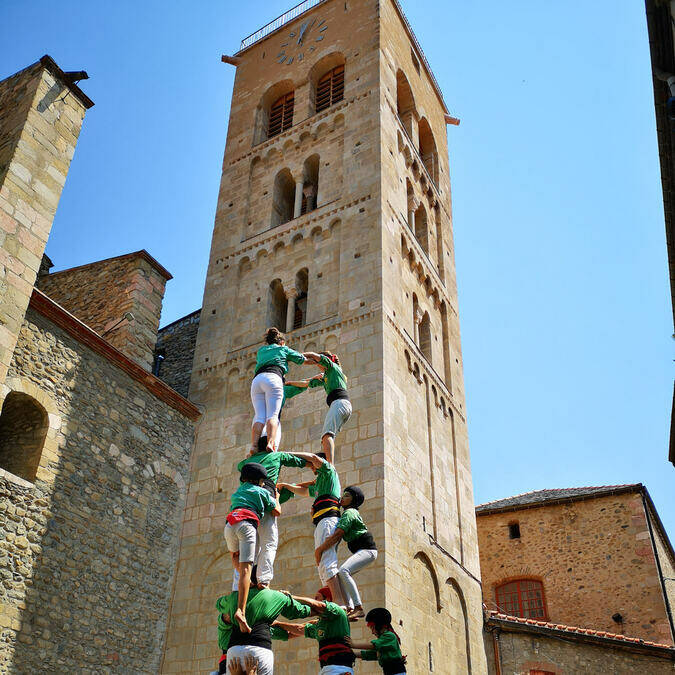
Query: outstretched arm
{"type": "Point", "coordinates": [302, 489]}
{"type": "Point", "coordinates": [301, 384]}
{"type": "Point", "coordinates": [316, 606]}
{"type": "Point", "coordinates": [309, 457]}
{"type": "Point", "coordinates": [312, 356]}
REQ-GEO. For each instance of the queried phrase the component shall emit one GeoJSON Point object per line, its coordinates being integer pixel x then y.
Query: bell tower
{"type": "Point", "coordinates": [334, 223]}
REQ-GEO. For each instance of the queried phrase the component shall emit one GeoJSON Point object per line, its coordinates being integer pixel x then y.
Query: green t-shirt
{"type": "Point", "coordinates": [262, 606]}
{"type": "Point", "coordinates": [252, 497]}
{"type": "Point", "coordinates": [285, 495]}
{"type": "Point", "coordinates": [385, 648]}
{"type": "Point", "coordinates": [273, 461]}
{"type": "Point", "coordinates": [352, 525]}
{"type": "Point", "coordinates": [327, 482]}
{"type": "Point", "coordinates": [333, 377]}
{"type": "Point", "coordinates": [333, 624]}
{"type": "Point", "coordinates": [276, 355]}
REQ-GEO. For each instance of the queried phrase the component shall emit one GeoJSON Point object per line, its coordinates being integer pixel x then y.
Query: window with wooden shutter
{"type": "Point", "coordinates": [523, 598]}
{"type": "Point", "coordinates": [281, 115]}
{"type": "Point", "coordinates": [330, 88]}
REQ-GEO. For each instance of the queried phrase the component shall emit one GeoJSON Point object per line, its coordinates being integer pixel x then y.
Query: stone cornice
{"type": "Point", "coordinates": [45, 306]}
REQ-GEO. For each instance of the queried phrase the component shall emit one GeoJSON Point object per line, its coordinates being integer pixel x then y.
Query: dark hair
{"type": "Point", "coordinates": [333, 357]}
{"type": "Point", "coordinates": [262, 444]}
{"type": "Point", "coordinates": [273, 336]}
{"type": "Point", "coordinates": [321, 454]}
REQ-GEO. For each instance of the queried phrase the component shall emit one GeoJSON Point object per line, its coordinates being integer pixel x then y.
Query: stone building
{"type": "Point", "coordinates": [591, 566]}
{"type": "Point", "coordinates": [175, 350]}
{"type": "Point", "coordinates": [334, 222]}
{"type": "Point", "coordinates": [94, 449]}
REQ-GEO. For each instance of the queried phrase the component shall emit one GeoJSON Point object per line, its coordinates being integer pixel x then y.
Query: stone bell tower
{"type": "Point", "coordinates": [334, 222]}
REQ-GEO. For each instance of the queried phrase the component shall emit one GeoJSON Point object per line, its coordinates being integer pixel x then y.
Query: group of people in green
{"type": "Point", "coordinates": [253, 614]}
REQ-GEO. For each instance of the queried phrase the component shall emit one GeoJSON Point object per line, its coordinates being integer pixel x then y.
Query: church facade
{"type": "Point", "coordinates": [334, 224]}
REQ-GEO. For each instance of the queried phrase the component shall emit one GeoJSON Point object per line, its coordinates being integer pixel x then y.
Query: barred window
{"type": "Point", "coordinates": [281, 115]}
{"type": "Point", "coordinates": [330, 88]}
{"type": "Point", "coordinates": [523, 598]}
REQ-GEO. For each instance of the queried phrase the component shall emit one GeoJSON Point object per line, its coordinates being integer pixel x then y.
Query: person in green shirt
{"type": "Point", "coordinates": [267, 388]}
{"type": "Point", "coordinates": [333, 634]}
{"type": "Point", "coordinates": [337, 399]}
{"type": "Point", "coordinates": [248, 505]}
{"type": "Point", "coordinates": [360, 542]}
{"type": "Point", "coordinates": [268, 533]}
{"type": "Point", "coordinates": [325, 489]}
{"type": "Point", "coordinates": [262, 610]}
{"type": "Point", "coordinates": [292, 389]}
{"type": "Point", "coordinates": [386, 647]}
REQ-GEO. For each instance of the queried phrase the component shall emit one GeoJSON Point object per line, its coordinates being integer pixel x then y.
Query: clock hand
{"type": "Point", "coordinates": [303, 29]}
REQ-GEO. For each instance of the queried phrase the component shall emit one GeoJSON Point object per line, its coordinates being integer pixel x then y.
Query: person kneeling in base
{"type": "Point", "coordinates": [249, 504]}
{"type": "Point", "coordinates": [386, 647]}
{"type": "Point", "coordinates": [333, 633]}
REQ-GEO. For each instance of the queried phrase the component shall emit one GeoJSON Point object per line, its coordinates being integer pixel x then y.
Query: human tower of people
{"type": "Point", "coordinates": [248, 618]}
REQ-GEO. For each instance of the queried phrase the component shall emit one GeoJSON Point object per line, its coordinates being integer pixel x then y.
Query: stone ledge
{"type": "Point", "coordinates": [10, 477]}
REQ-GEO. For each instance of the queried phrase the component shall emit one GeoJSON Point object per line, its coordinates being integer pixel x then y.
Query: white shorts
{"type": "Point", "coordinates": [241, 537]}
{"type": "Point", "coordinates": [336, 670]}
{"type": "Point", "coordinates": [328, 567]}
{"type": "Point", "coordinates": [264, 657]}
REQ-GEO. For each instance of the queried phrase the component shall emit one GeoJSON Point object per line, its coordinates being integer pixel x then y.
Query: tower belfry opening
{"type": "Point", "coordinates": [338, 231]}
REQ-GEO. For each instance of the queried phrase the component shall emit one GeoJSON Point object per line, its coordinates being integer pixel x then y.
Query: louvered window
{"type": "Point", "coordinates": [330, 89]}
{"type": "Point", "coordinates": [281, 115]}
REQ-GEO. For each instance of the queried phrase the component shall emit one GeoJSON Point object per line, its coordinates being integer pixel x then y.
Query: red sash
{"type": "Point", "coordinates": [236, 516]}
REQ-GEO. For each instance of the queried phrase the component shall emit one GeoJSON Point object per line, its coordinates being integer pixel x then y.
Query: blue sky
{"type": "Point", "coordinates": [558, 216]}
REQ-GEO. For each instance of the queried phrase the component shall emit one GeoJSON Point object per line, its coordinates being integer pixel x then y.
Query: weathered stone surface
{"type": "Point", "coordinates": [176, 347]}
{"type": "Point", "coordinates": [88, 551]}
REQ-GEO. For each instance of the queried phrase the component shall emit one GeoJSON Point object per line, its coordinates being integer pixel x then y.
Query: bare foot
{"type": "Point", "coordinates": [241, 620]}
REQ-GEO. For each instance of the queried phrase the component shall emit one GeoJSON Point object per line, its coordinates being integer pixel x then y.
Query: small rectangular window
{"type": "Point", "coordinates": [514, 531]}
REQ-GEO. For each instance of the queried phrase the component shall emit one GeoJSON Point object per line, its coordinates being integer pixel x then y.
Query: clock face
{"type": "Point", "coordinates": [302, 41]}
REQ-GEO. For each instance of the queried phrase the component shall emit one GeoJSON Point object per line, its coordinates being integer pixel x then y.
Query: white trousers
{"type": "Point", "coordinates": [328, 567]}
{"type": "Point", "coordinates": [267, 395]}
{"type": "Point", "coordinates": [347, 570]}
{"type": "Point", "coordinates": [264, 657]}
{"type": "Point", "coordinates": [266, 550]}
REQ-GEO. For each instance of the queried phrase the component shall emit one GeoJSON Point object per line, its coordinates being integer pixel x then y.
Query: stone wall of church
{"type": "Point", "coordinates": [542, 653]}
{"type": "Point", "coordinates": [39, 127]}
{"type": "Point", "coordinates": [176, 345]}
{"type": "Point", "coordinates": [89, 547]}
{"type": "Point", "coordinates": [101, 294]}
{"type": "Point", "coordinates": [593, 557]}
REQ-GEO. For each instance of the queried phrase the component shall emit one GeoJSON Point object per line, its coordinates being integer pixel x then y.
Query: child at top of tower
{"type": "Point", "coordinates": [360, 542]}
{"type": "Point", "coordinates": [268, 533]}
{"type": "Point", "coordinates": [332, 631]}
{"type": "Point", "coordinates": [248, 505]}
{"type": "Point", "coordinates": [267, 388]}
{"type": "Point", "coordinates": [386, 647]}
{"type": "Point", "coordinates": [337, 399]}
{"type": "Point", "coordinates": [325, 489]}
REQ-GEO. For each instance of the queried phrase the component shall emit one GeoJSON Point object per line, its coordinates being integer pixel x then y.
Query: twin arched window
{"type": "Point", "coordinates": [523, 598]}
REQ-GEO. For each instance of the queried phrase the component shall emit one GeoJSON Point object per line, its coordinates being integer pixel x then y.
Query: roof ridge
{"type": "Point", "coordinates": [577, 629]}
{"type": "Point", "coordinates": [584, 487]}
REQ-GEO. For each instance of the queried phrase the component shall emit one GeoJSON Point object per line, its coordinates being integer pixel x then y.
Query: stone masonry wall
{"type": "Point", "coordinates": [523, 653]}
{"type": "Point", "coordinates": [176, 342]}
{"type": "Point", "coordinates": [88, 551]}
{"type": "Point", "coordinates": [594, 558]}
{"type": "Point", "coordinates": [100, 293]}
{"type": "Point", "coordinates": [39, 127]}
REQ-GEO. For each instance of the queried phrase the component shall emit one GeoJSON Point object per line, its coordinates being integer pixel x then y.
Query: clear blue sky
{"type": "Point", "coordinates": [560, 245]}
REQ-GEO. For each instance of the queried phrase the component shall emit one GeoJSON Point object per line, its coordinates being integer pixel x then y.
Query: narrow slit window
{"type": "Point", "coordinates": [330, 88]}
{"type": "Point", "coordinates": [514, 530]}
{"type": "Point", "coordinates": [281, 115]}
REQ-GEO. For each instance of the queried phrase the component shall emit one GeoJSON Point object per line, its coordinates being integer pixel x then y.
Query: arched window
{"type": "Point", "coordinates": [283, 198]}
{"type": "Point", "coordinates": [330, 89]}
{"type": "Point", "coordinates": [422, 228]}
{"type": "Point", "coordinates": [281, 114]}
{"type": "Point", "coordinates": [405, 106]}
{"type": "Point", "coordinates": [425, 336]}
{"type": "Point", "coordinates": [428, 151]}
{"type": "Point", "coordinates": [302, 288]}
{"type": "Point", "coordinates": [523, 598]}
{"type": "Point", "coordinates": [277, 306]}
{"type": "Point", "coordinates": [23, 429]}
{"type": "Point", "coordinates": [310, 190]}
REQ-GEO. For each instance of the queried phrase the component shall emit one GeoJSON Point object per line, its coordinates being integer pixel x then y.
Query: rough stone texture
{"type": "Point", "coordinates": [88, 551]}
{"type": "Point", "coordinates": [524, 653]}
{"type": "Point", "coordinates": [366, 269]}
{"type": "Point", "coordinates": [39, 127]}
{"type": "Point", "coordinates": [594, 558]}
{"type": "Point", "coordinates": [101, 293]}
{"type": "Point", "coordinates": [176, 343]}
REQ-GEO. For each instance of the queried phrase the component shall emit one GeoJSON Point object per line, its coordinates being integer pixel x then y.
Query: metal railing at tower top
{"type": "Point", "coordinates": [278, 23]}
